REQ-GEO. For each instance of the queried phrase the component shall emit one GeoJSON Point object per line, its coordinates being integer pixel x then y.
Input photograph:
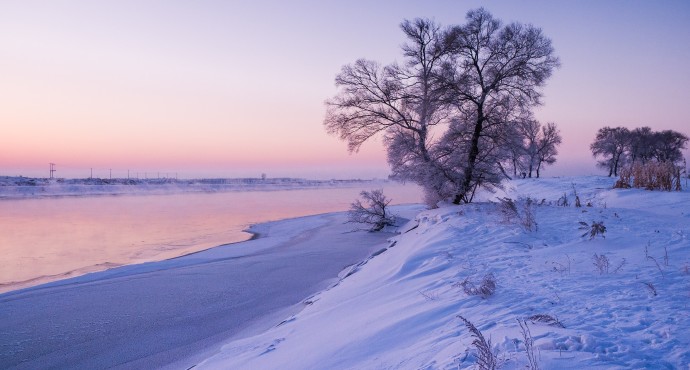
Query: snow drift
{"type": "Point", "coordinates": [401, 309]}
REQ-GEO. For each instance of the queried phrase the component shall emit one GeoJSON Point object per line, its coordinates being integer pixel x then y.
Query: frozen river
{"type": "Point", "coordinates": [48, 239]}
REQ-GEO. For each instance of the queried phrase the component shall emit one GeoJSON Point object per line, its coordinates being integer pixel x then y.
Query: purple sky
{"type": "Point", "coordinates": [229, 88]}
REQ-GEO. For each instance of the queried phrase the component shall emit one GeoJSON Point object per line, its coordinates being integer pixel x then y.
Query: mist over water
{"type": "Point", "coordinates": [48, 239]}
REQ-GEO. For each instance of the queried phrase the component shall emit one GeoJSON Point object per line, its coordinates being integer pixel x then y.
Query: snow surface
{"type": "Point", "coordinates": [400, 309]}
{"type": "Point", "coordinates": [171, 313]}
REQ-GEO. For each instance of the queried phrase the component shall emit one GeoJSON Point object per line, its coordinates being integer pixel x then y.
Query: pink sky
{"type": "Point", "coordinates": [230, 88]}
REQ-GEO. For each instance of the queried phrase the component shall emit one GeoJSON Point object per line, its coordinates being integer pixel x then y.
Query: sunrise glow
{"type": "Point", "coordinates": [237, 88]}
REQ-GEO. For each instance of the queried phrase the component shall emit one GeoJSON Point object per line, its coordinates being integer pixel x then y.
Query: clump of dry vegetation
{"type": "Point", "coordinates": [485, 289]}
{"type": "Point", "coordinates": [650, 176]}
{"type": "Point", "coordinates": [546, 319]}
{"type": "Point", "coordinates": [593, 229]}
{"type": "Point", "coordinates": [521, 212]}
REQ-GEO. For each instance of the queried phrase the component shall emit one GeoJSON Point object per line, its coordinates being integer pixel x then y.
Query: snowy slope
{"type": "Point", "coordinates": [400, 309]}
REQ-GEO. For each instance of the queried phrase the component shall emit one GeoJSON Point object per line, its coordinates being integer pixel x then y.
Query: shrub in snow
{"type": "Point", "coordinates": [596, 228]}
{"type": "Point", "coordinates": [563, 201]}
{"type": "Point", "coordinates": [486, 358]}
{"type": "Point", "coordinates": [546, 319]}
{"type": "Point", "coordinates": [374, 212]}
{"type": "Point", "coordinates": [486, 288]}
{"type": "Point", "coordinates": [523, 212]}
{"type": "Point", "coordinates": [601, 262]}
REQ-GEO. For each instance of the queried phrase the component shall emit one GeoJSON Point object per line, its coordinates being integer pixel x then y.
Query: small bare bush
{"type": "Point", "coordinates": [601, 262]}
{"type": "Point", "coordinates": [521, 211]}
{"type": "Point", "coordinates": [486, 288]}
{"type": "Point", "coordinates": [596, 228]}
{"type": "Point", "coordinates": [374, 212]}
{"type": "Point", "coordinates": [546, 319]}
{"type": "Point", "coordinates": [487, 359]}
{"type": "Point", "coordinates": [563, 201]}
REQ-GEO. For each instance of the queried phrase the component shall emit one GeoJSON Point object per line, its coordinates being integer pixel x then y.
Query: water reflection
{"type": "Point", "coordinates": [48, 239]}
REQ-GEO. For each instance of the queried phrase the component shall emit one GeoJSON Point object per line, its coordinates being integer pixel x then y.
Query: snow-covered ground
{"type": "Point", "coordinates": [14, 187]}
{"type": "Point", "coordinates": [400, 310]}
{"type": "Point", "coordinates": [171, 313]}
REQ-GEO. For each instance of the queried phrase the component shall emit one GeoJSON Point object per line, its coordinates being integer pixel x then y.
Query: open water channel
{"type": "Point", "coordinates": [47, 239]}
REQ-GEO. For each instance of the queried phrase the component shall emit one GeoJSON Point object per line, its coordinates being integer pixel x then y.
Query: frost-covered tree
{"type": "Point", "coordinates": [620, 146]}
{"type": "Point", "coordinates": [610, 144]}
{"type": "Point", "coordinates": [496, 74]}
{"type": "Point", "coordinates": [547, 145]}
{"type": "Point", "coordinates": [374, 212]}
{"type": "Point", "coordinates": [403, 102]}
{"type": "Point", "coordinates": [529, 133]}
{"type": "Point", "coordinates": [640, 145]}
{"type": "Point", "coordinates": [469, 83]}
{"type": "Point", "coordinates": [668, 146]}
{"type": "Point", "coordinates": [540, 144]}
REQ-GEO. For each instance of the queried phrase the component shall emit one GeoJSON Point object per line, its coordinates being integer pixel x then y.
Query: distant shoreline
{"type": "Point", "coordinates": [31, 188]}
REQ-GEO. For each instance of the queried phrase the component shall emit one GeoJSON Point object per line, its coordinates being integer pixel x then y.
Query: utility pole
{"type": "Point", "coordinates": [127, 174]}
{"type": "Point", "coordinates": [52, 169]}
{"type": "Point", "coordinates": [91, 177]}
{"type": "Point", "coordinates": [111, 173]}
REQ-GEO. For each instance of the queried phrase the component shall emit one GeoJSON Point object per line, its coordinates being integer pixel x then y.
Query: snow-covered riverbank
{"type": "Point", "coordinates": [617, 300]}
{"type": "Point", "coordinates": [173, 312]}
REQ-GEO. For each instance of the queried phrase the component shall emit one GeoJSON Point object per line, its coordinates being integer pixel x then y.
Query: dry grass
{"type": "Point", "coordinates": [521, 212]}
{"type": "Point", "coordinates": [486, 357]}
{"type": "Point", "coordinates": [546, 319]}
{"type": "Point", "coordinates": [650, 176]}
{"type": "Point", "coordinates": [485, 289]}
{"type": "Point", "coordinates": [651, 288]}
{"type": "Point", "coordinates": [529, 344]}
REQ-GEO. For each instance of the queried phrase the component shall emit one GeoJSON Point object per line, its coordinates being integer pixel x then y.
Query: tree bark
{"type": "Point", "coordinates": [474, 152]}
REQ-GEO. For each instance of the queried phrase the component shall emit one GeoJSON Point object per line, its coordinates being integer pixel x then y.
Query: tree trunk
{"type": "Point", "coordinates": [472, 159]}
{"type": "Point", "coordinates": [617, 158]}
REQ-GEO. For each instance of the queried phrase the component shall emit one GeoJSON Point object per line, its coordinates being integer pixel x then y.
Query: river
{"type": "Point", "coordinates": [47, 239]}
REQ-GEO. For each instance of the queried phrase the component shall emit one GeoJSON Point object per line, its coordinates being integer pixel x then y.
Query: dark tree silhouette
{"type": "Point", "coordinates": [610, 144]}
{"type": "Point", "coordinates": [620, 146]}
{"type": "Point", "coordinates": [496, 75]}
{"type": "Point", "coordinates": [470, 82]}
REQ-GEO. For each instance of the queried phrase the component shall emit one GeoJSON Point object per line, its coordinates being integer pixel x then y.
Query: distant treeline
{"type": "Point", "coordinates": [32, 181]}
